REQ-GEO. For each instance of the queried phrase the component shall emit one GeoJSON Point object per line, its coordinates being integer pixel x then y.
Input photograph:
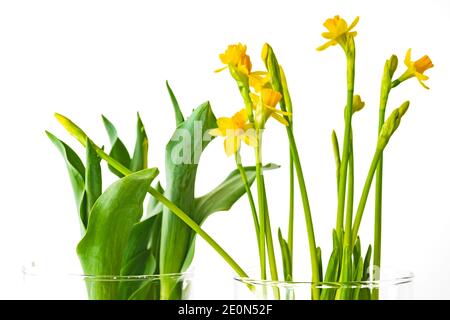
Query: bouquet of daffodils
{"type": "Point", "coordinates": [119, 237]}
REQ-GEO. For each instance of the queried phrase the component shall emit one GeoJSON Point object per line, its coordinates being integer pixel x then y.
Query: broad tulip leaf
{"type": "Point", "coordinates": [225, 194]}
{"type": "Point", "coordinates": [112, 218]}
{"type": "Point", "coordinates": [182, 155]}
{"type": "Point", "coordinates": [140, 155]}
{"type": "Point", "coordinates": [154, 206]}
{"type": "Point", "coordinates": [141, 255]}
{"type": "Point", "coordinates": [118, 150]}
{"type": "Point", "coordinates": [77, 172]}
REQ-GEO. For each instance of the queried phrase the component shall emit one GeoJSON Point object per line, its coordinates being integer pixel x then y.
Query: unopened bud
{"type": "Point", "coordinates": [391, 125]}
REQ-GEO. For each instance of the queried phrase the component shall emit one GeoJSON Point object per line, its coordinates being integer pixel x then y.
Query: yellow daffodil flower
{"type": "Point", "coordinates": [416, 68]}
{"type": "Point", "coordinates": [235, 130]}
{"type": "Point", "coordinates": [265, 104]}
{"type": "Point", "coordinates": [338, 32]}
{"type": "Point", "coordinates": [236, 57]}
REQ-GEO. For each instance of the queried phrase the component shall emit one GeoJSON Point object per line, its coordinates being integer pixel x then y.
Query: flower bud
{"type": "Point", "coordinates": [72, 128]}
{"type": "Point", "coordinates": [391, 125]}
{"type": "Point", "coordinates": [358, 104]}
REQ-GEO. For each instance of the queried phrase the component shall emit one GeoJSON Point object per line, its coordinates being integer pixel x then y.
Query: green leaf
{"type": "Point", "coordinates": [141, 255]}
{"type": "Point", "coordinates": [345, 293]}
{"type": "Point", "coordinates": [77, 172]}
{"type": "Point", "coordinates": [331, 276]}
{"type": "Point", "coordinates": [118, 150]}
{"type": "Point", "coordinates": [112, 218]}
{"type": "Point", "coordinates": [367, 258]}
{"type": "Point", "coordinates": [225, 194]}
{"type": "Point", "coordinates": [319, 261]}
{"type": "Point", "coordinates": [357, 276]}
{"type": "Point", "coordinates": [357, 251]}
{"type": "Point", "coordinates": [286, 256]}
{"type": "Point", "coordinates": [140, 155]}
{"type": "Point", "coordinates": [154, 206]}
{"type": "Point", "coordinates": [93, 176]}
{"type": "Point", "coordinates": [182, 156]}
{"type": "Point", "coordinates": [365, 293]}
{"type": "Point", "coordinates": [176, 107]}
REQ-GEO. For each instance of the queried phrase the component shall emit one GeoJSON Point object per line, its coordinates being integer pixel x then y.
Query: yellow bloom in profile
{"type": "Point", "coordinates": [235, 130]}
{"type": "Point", "coordinates": [265, 104]}
{"type": "Point", "coordinates": [338, 32]}
{"type": "Point", "coordinates": [416, 68]}
{"type": "Point", "coordinates": [236, 57]}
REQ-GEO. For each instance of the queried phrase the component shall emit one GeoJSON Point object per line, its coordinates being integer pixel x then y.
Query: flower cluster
{"type": "Point", "coordinates": [259, 96]}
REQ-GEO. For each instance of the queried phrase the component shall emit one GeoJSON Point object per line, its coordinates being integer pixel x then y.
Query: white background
{"type": "Point", "coordinates": [85, 58]}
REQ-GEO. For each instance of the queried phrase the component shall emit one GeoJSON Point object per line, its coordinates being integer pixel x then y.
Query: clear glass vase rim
{"type": "Point", "coordinates": [401, 277]}
{"type": "Point", "coordinates": [32, 271]}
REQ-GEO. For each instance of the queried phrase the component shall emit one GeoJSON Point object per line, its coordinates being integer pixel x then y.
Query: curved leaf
{"type": "Point", "coordinates": [225, 194]}
{"type": "Point", "coordinates": [111, 220]}
{"type": "Point", "coordinates": [140, 155]}
{"type": "Point", "coordinates": [93, 176]}
{"type": "Point", "coordinates": [176, 107]}
{"type": "Point", "coordinates": [182, 155]}
{"type": "Point", "coordinates": [77, 172]}
{"type": "Point", "coordinates": [118, 150]}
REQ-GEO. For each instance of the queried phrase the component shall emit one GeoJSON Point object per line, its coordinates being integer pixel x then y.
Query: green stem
{"type": "Point", "coordinates": [365, 194]}
{"type": "Point", "coordinates": [179, 213]}
{"type": "Point", "coordinates": [194, 226]}
{"type": "Point", "coordinates": [346, 145]}
{"type": "Point", "coordinates": [249, 194]}
{"type": "Point", "coordinates": [261, 207]}
{"type": "Point", "coordinates": [350, 191]}
{"type": "Point", "coordinates": [291, 209]}
{"type": "Point", "coordinates": [385, 90]}
{"type": "Point", "coordinates": [269, 239]}
{"type": "Point", "coordinates": [307, 212]}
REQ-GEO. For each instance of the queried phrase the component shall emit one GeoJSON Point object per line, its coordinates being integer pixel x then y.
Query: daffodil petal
{"type": "Point", "coordinates": [221, 69]}
{"type": "Point", "coordinates": [421, 76]}
{"type": "Point", "coordinates": [354, 23]}
{"type": "Point", "coordinates": [280, 119]}
{"type": "Point", "coordinates": [231, 145]}
{"type": "Point", "coordinates": [250, 140]}
{"type": "Point", "coordinates": [423, 84]}
{"type": "Point", "coordinates": [225, 123]}
{"type": "Point", "coordinates": [216, 132]}
{"type": "Point", "coordinates": [408, 58]}
{"type": "Point", "coordinates": [326, 45]}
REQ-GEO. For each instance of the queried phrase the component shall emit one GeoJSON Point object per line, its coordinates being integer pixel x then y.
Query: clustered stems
{"type": "Point", "coordinates": [249, 195]}
{"type": "Point", "coordinates": [386, 86]}
{"type": "Point", "coordinates": [307, 212]}
{"type": "Point", "coordinates": [261, 208]}
{"type": "Point", "coordinates": [350, 55]}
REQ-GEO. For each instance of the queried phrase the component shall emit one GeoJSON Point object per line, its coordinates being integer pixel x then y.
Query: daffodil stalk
{"type": "Point", "coordinates": [387, 130]}
{"type": "Point", "coordinates": [262, 91]}
{"type": "Point", "coordinates": [82, 137]}
{"type": "Point", "coordinates": [414, 69]}
{"type": "Point", "coordinates": [386, 85]}
{"type": "Point", "coordinates": [279, 83]}
{"type": "Point", "coordinates": [262, 105]}
{"type": "Point", "coordinates": [249, 195]}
